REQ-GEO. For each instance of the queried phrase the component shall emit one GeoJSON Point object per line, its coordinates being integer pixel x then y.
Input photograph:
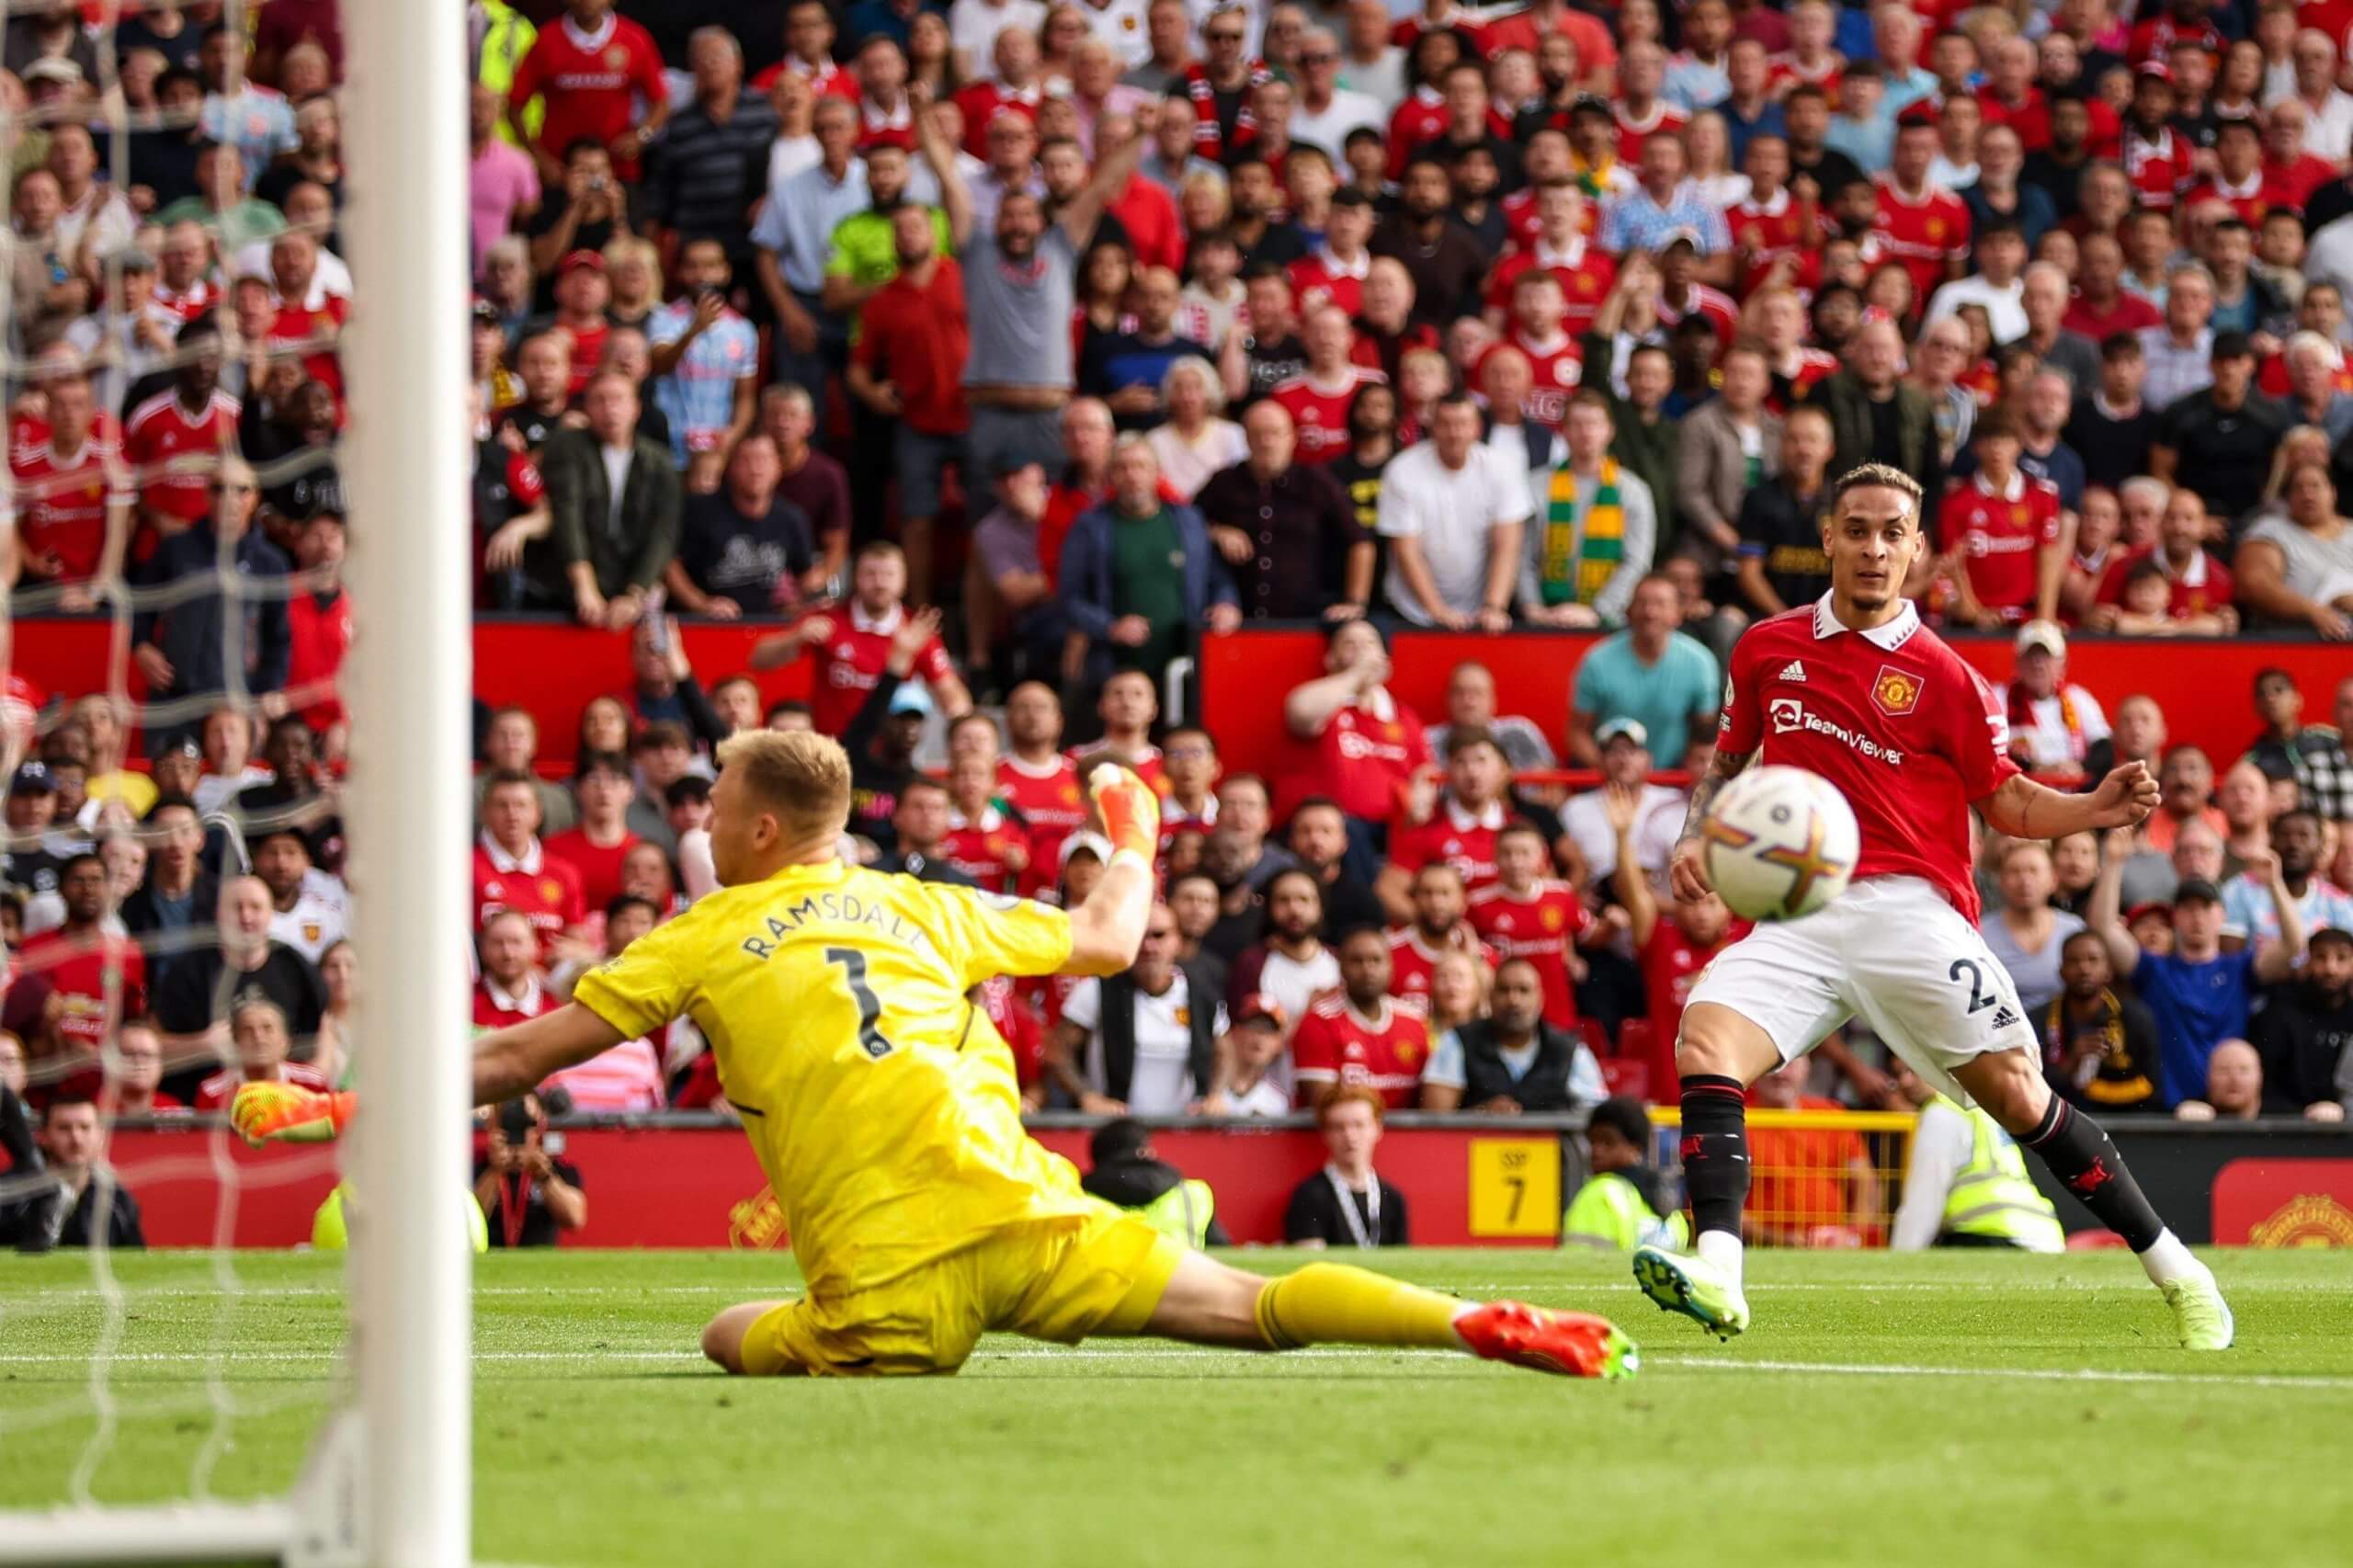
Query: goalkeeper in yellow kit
{"type": "Point", "coordinates": [884, 1108]}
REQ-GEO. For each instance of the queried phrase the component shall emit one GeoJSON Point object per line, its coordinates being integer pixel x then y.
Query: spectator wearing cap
{"type": "Point", "coordinates": [2054, 723]}
{"type": "Point", "coordinates": [1285, 528]}
{"type": "Point", "coordinates": [1626, 763]}
{"type": "Point", "coordinates": [1148, 1042]}
{"type": "Point", "coordinates": [183, 649]}
{"type": "Point", "coordinates": [1258, 1037]}
{"type": "Point", "coordinates": [27, 860]}
{"type": "Point", "coordinates": [2303, 1033]}
{"type": "Point", "coordinates": [1346, 1203]}
{"type": "Point", "coordinates": [2200, 994]}
{"type": "Point", "coordinates": [582, 292]}
{"type": "Point", "coordinates": [1512, 1061]}
{"type": "Point", "coordinates": [616, 502]}
{"type": "Point", "coordinates": [1139, 575]}
{"type": "Point", "coordinates": [1652, 673]}
{"type": "Point", "coordinates": [706, 358]}
{"type": "Point", "coordinates": [887, 727]}
{"type": "Point", "coordinates": [745, 549]}
{"type": "Point", "coordinates": [2220, 439]}
{"type": "Point", "coordinates": [2297, 842]}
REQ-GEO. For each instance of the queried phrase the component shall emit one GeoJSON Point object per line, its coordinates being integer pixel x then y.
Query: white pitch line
{"type": "Point", "coordinates": [1142, 1353]}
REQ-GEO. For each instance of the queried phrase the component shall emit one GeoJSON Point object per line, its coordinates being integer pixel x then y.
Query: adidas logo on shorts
{"type": "Point", "coordinates": [2004, 1019]}
{"type": "Point", "coordinates": [1793, 670]}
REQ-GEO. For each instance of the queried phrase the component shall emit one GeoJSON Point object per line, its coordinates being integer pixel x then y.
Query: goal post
{"type": "Point", "coordinates": [388, 1484]}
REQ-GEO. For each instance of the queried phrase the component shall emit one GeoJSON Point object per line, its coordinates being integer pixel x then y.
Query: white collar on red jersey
{"type": "Point", "coordinates": [2246, 190]}
{"type": "Point", "coordinates": [2013, 491]}
{"type": "Point", "coordinates": [1335, 267]}
{"type": "Point", "coordinates": [528, 1001]}
{"type": "Point", "coordinates": [2192, 575]}
{"type": "Point", "coordinates": [1571, 256]}
{"type": "Point", "coordinates": [506, 865]}
{"type": "Point", "coordinates": [1773, 209]}
{"type": "Point", "coordinates": [1539, 348]}
{"type": "Point", "coordinates": [1378, 1022]}
{"type": "Point", "coordinates": [588, 43]}
{"type": "Point", "coordinates": [989, 821]}
{"type": "Point", "coordinates": [1053, 767]}
{"type": "Point", "coordinates": [1887, 639]}
{"type": "Point", "coordinates": [1492, 819]}
{"type": "Point", "coordinates": [876, 625]}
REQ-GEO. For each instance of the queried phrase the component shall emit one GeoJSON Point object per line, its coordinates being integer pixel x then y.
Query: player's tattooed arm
{"type": "Point", "coordinates": [1726, 767]}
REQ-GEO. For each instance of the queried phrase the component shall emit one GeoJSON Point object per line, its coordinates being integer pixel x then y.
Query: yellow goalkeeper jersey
{"type": "Point", "coordinates": [881, 1101]}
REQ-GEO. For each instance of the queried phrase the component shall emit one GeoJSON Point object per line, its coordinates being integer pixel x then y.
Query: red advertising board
{"type": "Point", "coordinates": [2284, 1203]}
{"type": "Point", "coordinates": [700, 1187]}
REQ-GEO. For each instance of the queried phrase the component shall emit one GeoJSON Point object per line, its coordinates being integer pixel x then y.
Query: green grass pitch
{"type": "Point", "coordinates": [1953, 1408]}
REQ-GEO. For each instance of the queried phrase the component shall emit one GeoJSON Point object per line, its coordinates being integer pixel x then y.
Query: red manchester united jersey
{"type": "Point", "coordinates": [1336, 1044]}
{"type": "Point", "coordinates": [1586, 273]}
{"type": "Point", "coordinates": [1320, 280]}
{"type": "Point", "coordinates": [991, 848]}
{"type": "Point", "coordinates": [1050, 800]}
{"type": "Point", "coordinates": [850, 661]}
{"type": "Point", "coordinates": [1556, 368]}
{"type": "Point", "coordinates": [2158, 166]}
{"type": "Point", "coordinates": [1462, 839]}
{"type": "Point", "coordinates": [542, 888]}
{"type": "Point", "coordinates": [587, 80]}
{"type": "Point", "coordinates": [1765, 232]}
{"type": "Point", "coordinates": [1538, 927]}
{"type": "Point", "coordinates": [62, 498]}
{"type": "Point", "coordinates": [1412, 960]}
{"type": "Point", "coordinates": [1363, 758]}
{"type": "Point", "coordinates": [2001, 536]}
{"type": "Point", "coordinates": [1321, 411]}
{"type": "Point", "coordinates": [173, 453]}
{"type": "Point", "coordinates": [1926, 232]}
{"type": "Point", "coordinates": [1891, 717]}
{"type": "Point", "coordinates": [81, 969]}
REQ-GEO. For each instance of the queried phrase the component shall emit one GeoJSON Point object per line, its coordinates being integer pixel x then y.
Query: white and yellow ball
{"type": "Point", "coordinates": [1779, 843]}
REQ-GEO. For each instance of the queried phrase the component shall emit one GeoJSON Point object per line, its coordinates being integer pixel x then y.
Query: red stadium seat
{"type": "Point", "coordinates": [1627, 1077]}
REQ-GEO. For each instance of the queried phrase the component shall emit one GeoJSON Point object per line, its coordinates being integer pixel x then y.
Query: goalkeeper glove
{"type": "Point", "coordinates": [1130, 811]}
{"type": "Point", "coordinates": [288, 1113]}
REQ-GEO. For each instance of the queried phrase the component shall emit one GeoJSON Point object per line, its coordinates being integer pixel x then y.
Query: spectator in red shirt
{"type": "Point", "coordinates": [167, 439]}
{"type": "Point", "coordinates": [2001, 534]}
{"type": "Point", "coordinates": [586, 68]}
{"type": "Point", "coordinates": [1458, 827]}
{"type": "Point", "coordinates": [513, 869]}
{"type": "Point", "coordinates": [1357, 1034]}
{"type": "Point", "coordinates": [1527, 914]}
{"type": "Point", "coordinates": [95, 978]}
{"type": "Point", "coordinates": [73, 491]}
{"type": "Point", "coordinates": [2198, 586]}
{"type": "Point", "coordinates": [1435, 928]}
{"type": "Point", "coordinates": [1368, 745]}
{"type": "Point", "coordinates": [594, 848]}
{"type": "Point", "coordinates": [135, 1071]}
{"type": "Point", "coordinates": [511, 989]}
{"type": "Point", "coordinates": [318, 623]}
{"type": "Point", "coordinates": [907, 366]}
{"type": "Point", "coordinates": [852, 647]}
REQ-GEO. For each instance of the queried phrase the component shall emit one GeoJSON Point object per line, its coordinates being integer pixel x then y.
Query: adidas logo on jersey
{"type": "Point", "coordinates": [2004, 1019]}
{"type": "Point", "coordinates": [1793, 670]}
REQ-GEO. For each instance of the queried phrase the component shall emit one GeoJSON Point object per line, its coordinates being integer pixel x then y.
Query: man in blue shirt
{"type": "Point", "coordinates": [2198, 994]}
{"type": "Point", "coordinates": [1664, 680]}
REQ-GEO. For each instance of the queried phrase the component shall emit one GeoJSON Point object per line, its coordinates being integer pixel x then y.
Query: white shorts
{"type": "Point", "coordinates": [1894, 952]}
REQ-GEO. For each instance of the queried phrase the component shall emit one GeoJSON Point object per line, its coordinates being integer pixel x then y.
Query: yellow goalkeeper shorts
{"type": "Point", "coordinates": [1097, 1271]}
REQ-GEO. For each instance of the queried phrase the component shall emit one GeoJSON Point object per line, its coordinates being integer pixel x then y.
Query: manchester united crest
{"type": "Point", "coordinates": [1552, 919]}
{"type": "Point", "coordinates": [1895, 692]}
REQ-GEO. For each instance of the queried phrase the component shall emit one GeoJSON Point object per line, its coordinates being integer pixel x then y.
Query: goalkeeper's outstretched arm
{"type": "Point", "coordinates": [1105, 931]}
{"type": "Point", "coordinates": [512, 1061]}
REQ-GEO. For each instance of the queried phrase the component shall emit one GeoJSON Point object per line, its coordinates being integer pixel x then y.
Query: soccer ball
{"type": "Point", "coordinates": [1779, 843]}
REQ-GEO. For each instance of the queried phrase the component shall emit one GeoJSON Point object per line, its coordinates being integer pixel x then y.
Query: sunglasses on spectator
{"type": "Point", "coordinates": [1223, 36]}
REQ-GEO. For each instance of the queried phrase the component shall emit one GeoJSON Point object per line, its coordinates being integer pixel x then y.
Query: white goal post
{"type": "Point", "coordinates": [389, 1484]}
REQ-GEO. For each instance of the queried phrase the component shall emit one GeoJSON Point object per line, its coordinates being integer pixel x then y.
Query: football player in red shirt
{"type": "Point", "coordinates": [852, 645]}
{"type": "Point", "coordinates": [1319, 397]}
{"type": "Point", "coordinates": [1359, 1034]}
{"type": "Point", "coordinates": [1526, 914]}
{"type": "Point", "coordinates": [2002, 528]}
{"type": "Point", "coordinates": [1855, 689]}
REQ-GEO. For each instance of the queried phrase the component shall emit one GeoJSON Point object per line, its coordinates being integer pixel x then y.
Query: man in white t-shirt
{"type": "Point", "coordinates": [1658, 813]}
{"type": "Point", "coordinates": [310, 908]}
{"type": "Point", "coordinates": [1453, 510]}
{"type": "Point", "coordinates": [2053, 724]}
{"type": "Point", "coordinates": [1326, 111]}
{"type": "Point", "coordinates": [1163, 1056]}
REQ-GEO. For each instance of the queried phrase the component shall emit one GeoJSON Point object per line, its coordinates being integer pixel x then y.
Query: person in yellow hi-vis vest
{"type": "Point", "coordinates": [1125, 1170]}
{"type": "Point", "coordinates": [1624, 1204]}
{"type": "Point", "coordinates": [1966, 1184]}
{"type": "Point", "coordinates": [500, 36]}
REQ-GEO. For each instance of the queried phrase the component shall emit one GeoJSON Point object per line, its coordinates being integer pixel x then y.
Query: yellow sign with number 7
{"type": "Point", "coordinates": [1515, 1188]}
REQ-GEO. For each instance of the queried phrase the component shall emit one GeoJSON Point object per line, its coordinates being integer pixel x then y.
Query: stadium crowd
{"type": "Point", "coordinates": [996, 353]}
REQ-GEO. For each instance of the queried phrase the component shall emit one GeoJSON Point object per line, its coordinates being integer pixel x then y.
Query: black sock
{"type": "Point", "coordinates": [1715, 1149]}
{"type": "Point", "coordinates": [2079, 1154]}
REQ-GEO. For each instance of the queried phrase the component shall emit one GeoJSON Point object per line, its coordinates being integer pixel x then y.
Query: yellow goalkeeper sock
{"type": "Point", "coordinates": [1332, 1302]}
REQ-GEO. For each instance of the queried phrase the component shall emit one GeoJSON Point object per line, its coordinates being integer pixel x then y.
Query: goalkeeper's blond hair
{"type": "Point", "coordinates": [798, 775]}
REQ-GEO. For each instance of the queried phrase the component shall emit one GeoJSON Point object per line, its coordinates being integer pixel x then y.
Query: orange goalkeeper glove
{"type": "Point", "coordinates": [1130, 811]}
{"type": "Point", "coordinates": [288, 1113]}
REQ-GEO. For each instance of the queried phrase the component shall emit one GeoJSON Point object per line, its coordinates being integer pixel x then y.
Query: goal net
{"type": "Point", "coordinates": [235, 733]}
